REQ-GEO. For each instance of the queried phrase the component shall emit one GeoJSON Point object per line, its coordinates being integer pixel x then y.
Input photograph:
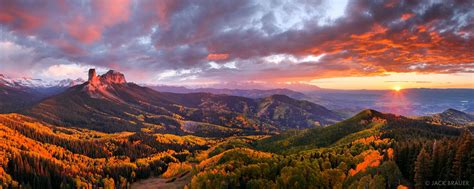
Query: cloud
{"type": "Point", "coordinates": [407, 81]}
{"type": "Point", "coordinates": [270, 41]}
{"type": "Point", "coordinates": [112, 11]}
{"type": "Point", "coordinates": [14, 56]}
{"type": "Point", "coordinates": [217, 56]}
{"type": "Point", "coordinates": [65, 71]}
{"type": "Point", "coordinates": [83, 32]}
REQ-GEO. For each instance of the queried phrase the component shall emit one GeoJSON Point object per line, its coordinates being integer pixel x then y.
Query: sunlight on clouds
{"type": "Point", "coordinates": [230, 65]}
{"type": "Point", "coordinates": [334, 10]}
{"type": "Point", "coordinates": [287, 17]}
{"type": "Point", "coordinates": [182, 77]}
{"type": "Point", "coordinates": [312, 58]}
{"type": "Point", "coordinates": [10, 50]}
{"type": "Point", "coordinates": [228, 41]}
{"type": "Point", "coordinates": [407, 80]}
{"type": "Point", "coordinates": [7, 46]}
{"type": "Point", "coordinates": [173, 75]}
{"type": "Point", "coordinates": [214, 65]}
{"type": "Point", "coordinates": [277, 58]}
{"type": "Point", "coordinates": [144, 40]}
{"type": "Point", "coordinates": [286, 58]}
{"type": "Point", "coordinates": [166, 74]}
{"type": "Point", "coordinates": [217, 56]}
{"type": "Point", "coordinates": [68, 71]}
{"type": "Point", "coordinates": [14, 58]}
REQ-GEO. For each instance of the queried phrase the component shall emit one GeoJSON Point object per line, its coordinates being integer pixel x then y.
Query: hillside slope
{"type": "Point", "coordinates": [451, 117]}
{"type": "Point", "coordinates": [36, 154]}
{"type": "Point", "coordinates": [13, 99]}
{"type": "Point", "coordinates": [364, 124]}
{"type": "Point", "coordinates": [369, 150]}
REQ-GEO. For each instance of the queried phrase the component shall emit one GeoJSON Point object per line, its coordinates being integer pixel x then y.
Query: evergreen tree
{"type": "Point", "coordinates": [422, 168]}
{"type": "Point", "coordinates": [462, 156]}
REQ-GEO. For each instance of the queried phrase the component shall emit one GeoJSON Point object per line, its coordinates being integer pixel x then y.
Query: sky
{"type": "Point", "coordinates": [340, 44]}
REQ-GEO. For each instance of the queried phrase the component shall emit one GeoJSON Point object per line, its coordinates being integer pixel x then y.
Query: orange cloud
{"type": "Point", "coordinates": [112, 11]}
{"type": "Point", "coordinates": [217, 56]}
{"type": "Point", "coordinates": [398, 52]}
{"type": "Point", "coordinates": [5, 18]}
{"type": "Point", "coordinates": [163, 9]}
{"type": "Point", "coordinates": [391, 3]}
{"type": "Point", "coordinates": [83, 32]}
{"type": "Point", "coordinates": [24, 20]}
{"type": "Point", "coordinates": [407, 16]}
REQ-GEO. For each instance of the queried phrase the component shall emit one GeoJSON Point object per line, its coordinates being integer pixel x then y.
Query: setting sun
{"type": "Point", "coordinates": [397, 88]}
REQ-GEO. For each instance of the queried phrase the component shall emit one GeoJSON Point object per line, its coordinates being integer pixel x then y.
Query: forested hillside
{"type": "Point", "coordinates": [369, 150]}
{"type": "Point", "coordinates": [33, 154]}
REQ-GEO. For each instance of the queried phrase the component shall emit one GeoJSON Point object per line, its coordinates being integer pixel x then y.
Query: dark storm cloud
{"type": "Point", "coordinates": [371, 38]}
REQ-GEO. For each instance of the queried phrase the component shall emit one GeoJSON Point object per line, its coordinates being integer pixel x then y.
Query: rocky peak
{"type": "Point", "coordinates": [92, 74]}
{"type": "Point", "coordinates": [93, 78]}
{"type": "Point", "coordinates": [113, 77]}
{"type": "Point", "coordinates": [100, 86]}
{"type": "Point", "coordinates": [452, 111]}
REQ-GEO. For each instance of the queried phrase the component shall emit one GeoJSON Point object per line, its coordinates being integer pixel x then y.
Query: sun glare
{"type": "Point", "coordinates": [397, 88]}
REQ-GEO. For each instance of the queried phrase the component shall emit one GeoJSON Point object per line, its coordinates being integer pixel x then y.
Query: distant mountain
{"type": "Point", "coordinates": [109, 103]}
{"type": "Point", "coordinates": [292, 113]}
{"type": "Point", "coordinates": [249, 93]}
{"type": "Point", "coordinates": [19, 93]}
{"type": "Point", "coordinates": [294, 86]}
{"type": "Point", "coordinates": [25, 82]}
{"type": "Point", "coordinates": [39, 87]}
{"type": "Point", "coordinates": [451, 117]}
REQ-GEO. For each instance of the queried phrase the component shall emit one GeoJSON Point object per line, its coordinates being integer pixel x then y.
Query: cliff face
{"type": "Point", "coordinates": [101, 86]}
{"type": "Point", "coordinates": [111, 77]}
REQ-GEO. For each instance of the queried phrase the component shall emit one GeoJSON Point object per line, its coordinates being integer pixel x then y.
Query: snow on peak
{"type": "Point", "coordinates": [25, 82]}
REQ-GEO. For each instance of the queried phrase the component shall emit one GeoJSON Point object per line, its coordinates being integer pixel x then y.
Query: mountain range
{"type": "Point", "coordinates": [25, 82]}
{"type": "Point", "coordinates": [408, 102]}
{"type": "Point", "coordinates": [18, 93]}
{"type": "Point", "coordinates": [111, 104]}
{"type": "Point", "coordinates": [451, 117]}
{"type": "Point", "coordinates": [250, 93]}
